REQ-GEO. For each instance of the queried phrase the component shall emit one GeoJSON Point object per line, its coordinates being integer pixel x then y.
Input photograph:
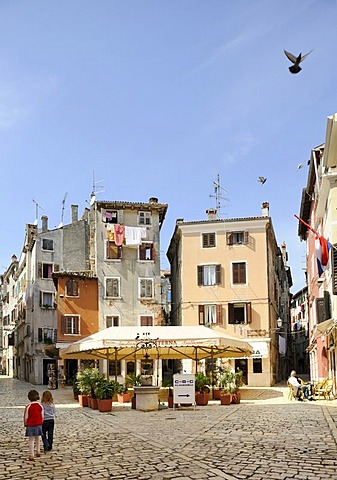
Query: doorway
{"type": "Point", "coordinates": [71, 370]}
{"type": "Point", "coordinates": [242, 364]}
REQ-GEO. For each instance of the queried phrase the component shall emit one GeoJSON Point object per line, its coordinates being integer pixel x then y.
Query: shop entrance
{"type": "Point", "coordinates": [242, 364]}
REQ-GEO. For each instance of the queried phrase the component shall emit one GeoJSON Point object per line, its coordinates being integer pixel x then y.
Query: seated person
{"type": "Point", "coordinates": [298, 386]}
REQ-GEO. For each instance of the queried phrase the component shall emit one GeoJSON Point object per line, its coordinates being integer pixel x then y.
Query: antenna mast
{"type": "Point", "coordinates": [63, 203]}
{"type": "Point", "coordinates": [37, 207]}
{"type": "Point", "coordinates": [218, 195]}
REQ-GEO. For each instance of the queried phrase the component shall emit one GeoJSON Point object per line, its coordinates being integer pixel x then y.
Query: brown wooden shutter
{"type": "Point", "coordinates": [142, 252]}
{"type": "Point", "coordinates": [235, 267]}
{"type": "Point", "coordinates": [246, 237]}
{"type": "Point", "coordinates": [334, 268]}
{"type": "Point", "coordinates": [39, 334]}
{"type": "Point", "coordinates": [152, 251]}
{"type": "Point", "coordinates": [327, 305]}
{"type": "Point", "coordinates": [229, 238]}
{"type": "Point", "coordinates": [219, 314]}
{"type": "Point", "coordinates": [63, 324]}
{"type": "Point", "coordinates": [76, 325]}
{"type": "Point", "coordinates": [40, 299]}
{"type": "Point", "coordinates": [55, 335]}
{"type": "Point", "coordinates": [200, 274]}
{"type": "Point", "coordinates": [56, 267]}
{"type": "Point", "coordinates": [39, 269]}
{"type": "Point", "coordinates": [217, 274]}
{"type": "Point", "coordinates": [230, 313]}
{"type": "Point", "coordinates": [320, 308]}
{"type": "Point", "coordinates": [201, 315]}
{"type": "Point", "coordinates": [249, 312]}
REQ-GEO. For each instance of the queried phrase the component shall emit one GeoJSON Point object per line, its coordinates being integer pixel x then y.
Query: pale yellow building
{"type": "Point", "coordinates": [230, 274]}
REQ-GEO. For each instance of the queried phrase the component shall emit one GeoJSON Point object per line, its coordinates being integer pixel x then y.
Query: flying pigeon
{"type": "Point", "coordinates": [262, 180]}
{"type": "Point", "coordinates": [296, 61]}
{"type": "Point", "coordinates": [299, 166]}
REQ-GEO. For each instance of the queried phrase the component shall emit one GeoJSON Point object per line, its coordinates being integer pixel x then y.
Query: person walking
{"type": "Point", "coordinates": [48, 405]}
{"type": "Point", "coordinates": [33, 419]}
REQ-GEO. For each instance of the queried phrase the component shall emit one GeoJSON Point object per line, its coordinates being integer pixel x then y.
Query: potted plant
{"type": "Point", "coordinates": [236, 395]}
{"type": "Point", "coordinates": [82, 383]}
{"type": "Point", "coordinates": [123, 394]}
{"type": "Point", "coordinates": [227, 383]}
{"type": "Point", "coordinates": [94, 378]}
{"type": "Point", "coordinates": [134, 381]}
{"type": "Point", "coordinates": [105, 389]}
{"type": "Point", "coordinates": [201, 389]}
{"type": "Point", "coordinates": [76, 390]}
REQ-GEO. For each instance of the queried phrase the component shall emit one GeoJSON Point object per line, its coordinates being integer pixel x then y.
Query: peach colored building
{"type": "Point", "coordinates": [77, 312]}
{"type": "Point", "coordinates": [229, 274]}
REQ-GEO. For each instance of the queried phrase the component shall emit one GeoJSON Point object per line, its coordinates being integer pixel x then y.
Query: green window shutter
{"type": "Point", "coordinates": [217, 274]}
{"type": "Point", "coordinates": [200, 274]}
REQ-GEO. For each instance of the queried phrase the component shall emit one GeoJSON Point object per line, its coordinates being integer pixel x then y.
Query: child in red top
{"type": "Point", "coordinates": [33, 419]}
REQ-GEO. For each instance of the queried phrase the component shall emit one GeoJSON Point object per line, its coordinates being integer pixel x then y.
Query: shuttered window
{"type": "Point", "coordinates": [323, 307]}
{"type": "Point", "coordinates": [72, 289]}
{"type": "Point", "coordinates": [146, 251]}
{"type": "Point", "coordinates": [112, 287]}
{"type": "Point", "coordinates": [146, 321]}
{"type": "Point", "coordinates": [239, 313]}
{"type": "Point", "coordinates": [239, 273]}
{"type": "Point", "coordinates": [112, 321]}
{"type": "Point", "coordinates": [70, 325]}
{"type": "Point", "coordinates": [146, 288]}
{"type": "Point", "coordinates": [113, 252]}
{"type": "Point", "coordinates": [208, 240]}
{"type": "Point", "coordinates": [47, 244]}
{"type": "Point", "coordinates": [210, 314]}
{"type": "Point", "coordinates": [209, 274]}
{"type": "Point", "coordinates": [237, 238]}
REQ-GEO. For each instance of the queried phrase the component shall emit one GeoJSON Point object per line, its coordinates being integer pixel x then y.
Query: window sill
{"type": "Point", "coordinates": [145, 261]}
{"type": "Point", "coordinates": [113, 298]}
{"type": "Point", "coordinates": [114, 260]}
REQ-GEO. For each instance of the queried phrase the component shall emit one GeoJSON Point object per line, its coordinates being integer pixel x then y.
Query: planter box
{"type": "Point", "coordinates": [236, 397]}
{"type": "Point", "coordinates": [225, 399]}
{"type": "Point", "coordinates": [124, 397]}
{"type": "Point", "coordinates": [104, 405]}
{"type": "Point", "coordinates": [83, 400]}
{"type": "Point", "coordinates": [217, 394]}
{"type": "Point", "coordinates": [201, 398]}
{"type": "Point", "coordinates": [93, 403]}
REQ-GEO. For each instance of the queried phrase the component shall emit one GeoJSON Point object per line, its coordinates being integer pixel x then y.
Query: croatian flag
{"type": "Point", "coordinates": [322, 246]}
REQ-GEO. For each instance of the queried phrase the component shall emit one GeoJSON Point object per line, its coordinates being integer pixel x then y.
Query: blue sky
{"type": "Point", "coordinates": [158, 98]}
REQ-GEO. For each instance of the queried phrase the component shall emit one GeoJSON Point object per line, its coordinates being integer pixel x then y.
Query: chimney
{"type": "Point", "coordinates": [153, 200]}
{"type": "Point", "coordinates": [179, 220]}
{"type": "Point", "coordinates": [74, 213]}
{"type": "Point", "coordinates": [44, 219]}
{"type": "Point", "coordinates": [284, 253]}
{"type": "Point", "coordinates": [211, 212]}
{"type": "Point", "coordinates": [265, 209]}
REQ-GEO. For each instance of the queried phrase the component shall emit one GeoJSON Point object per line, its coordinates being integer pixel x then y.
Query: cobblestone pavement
{"type": "Point", "coordinates": [264, 437]}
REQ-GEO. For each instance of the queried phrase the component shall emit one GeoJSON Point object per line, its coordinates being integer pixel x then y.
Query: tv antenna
{"type": "Point", "coordinates": [218, 195]}
{"type": "Point", "coordinates": [62, 212]}
{"type": "Point", "coordinates": [95, 187]}
{"type": "Point", "coordinates": [37, 207]}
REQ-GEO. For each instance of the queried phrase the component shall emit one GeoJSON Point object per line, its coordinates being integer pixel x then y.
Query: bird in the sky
{"type": "Point", "coordinates": [262, 180]}
{"type": "Point", "coordinates": [296, 61]}
{"type": "Point", "coordinates": [299, 166]}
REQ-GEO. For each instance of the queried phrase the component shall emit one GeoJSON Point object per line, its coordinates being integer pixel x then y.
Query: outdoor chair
{"type": "Point", "coordinates": [319, 387]}
{"type": "Point", "coordinates": [291, 395]}
{"type": "Point", "coordinates": [325, 391]}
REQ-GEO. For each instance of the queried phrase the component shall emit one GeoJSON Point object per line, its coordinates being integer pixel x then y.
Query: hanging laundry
{"type": "Point", "coordinates": [133, 235]}
{"type": "Point", "coordinates": [119, 234]}
{"type": "Point", "coordinates": [110, 233]}
{"type": "Point", "coordinates": [142, 232]}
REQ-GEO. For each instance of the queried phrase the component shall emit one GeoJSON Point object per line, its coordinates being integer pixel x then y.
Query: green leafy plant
{"type": "Point", "coordinates": [86, 381]}
{"type": "Point", "coordinates": [133, 380]}
{"type": "Point", "coordinates": [227, 381]}
{"type": "Point", "coordinates": [105, 389]}
{"type": "Point", "coordinates": [201, 382]}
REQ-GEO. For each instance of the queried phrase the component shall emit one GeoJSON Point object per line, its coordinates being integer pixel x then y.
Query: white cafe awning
{"type": "Point", "coordinates": [118, 343]}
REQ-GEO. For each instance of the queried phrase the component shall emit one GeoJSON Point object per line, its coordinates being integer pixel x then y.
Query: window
{"type": "Point", "coordinates": [146, 321]}
{"type": "Point", "coordinates": [112, 288]}
{"type": "Point", "coordinates": [210, 314]}
{"type": "Point", "coordinates": [70, 325]}
{"type": "Point", "coordinates": [239, 313]}
{"type": "Point", "coordinates": [112, 321]}
{"type": "Point", "coordinates": [72, 288]}
{"type": "Point", "coordinates": [144, 218]}
{"type": "Point", "coordinates": [114, 368]}
{"type": "Point", "coordinates": [237, 238]}
{"type": "Point", "coordinates": [239, 273]}
{"type": "Point", "coordinates": [113, 252]}
{"type": "Point", "coordinates": [47, 244]}
{"type": "Point", "coordinates": [46, 299]}
{"type": "Point", "coordinates": [146, 288]}
{"type": "Point", "coordinates": [257, 365]}
{"type": "Point", "coordinates": [209, 274]}
{"type": "Point", "coordinates": [323, 307]}
{"type": "Point", "coordinates": [47, 270]}
{"type": "Point", "coordinates": [111, 216]}
{"type": "Point", "coordinates": [146, 251]}
{"type": "Point", "coordinates": [208, 240]}
{"type": "Point", "coordinates": [130, 367]}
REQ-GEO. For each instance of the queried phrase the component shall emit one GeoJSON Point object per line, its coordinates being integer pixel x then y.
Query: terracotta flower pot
{"type": "Point", "coordinates": [93, 403]}
{"type": "Point", "coordinates": [123, 397]}
{"type": "Point", "coordinates": [83, 400]}
{"type": "Point", "coordinates": [217, 394]}
{"type": "Point", "coordinates": [104, 405]}
{"type": "Point", "coordinates": [236, 397]}
{"type": "Point", "coordinates": [225, 399]}
{"type": "Point", "coordinates": [201, 398]}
